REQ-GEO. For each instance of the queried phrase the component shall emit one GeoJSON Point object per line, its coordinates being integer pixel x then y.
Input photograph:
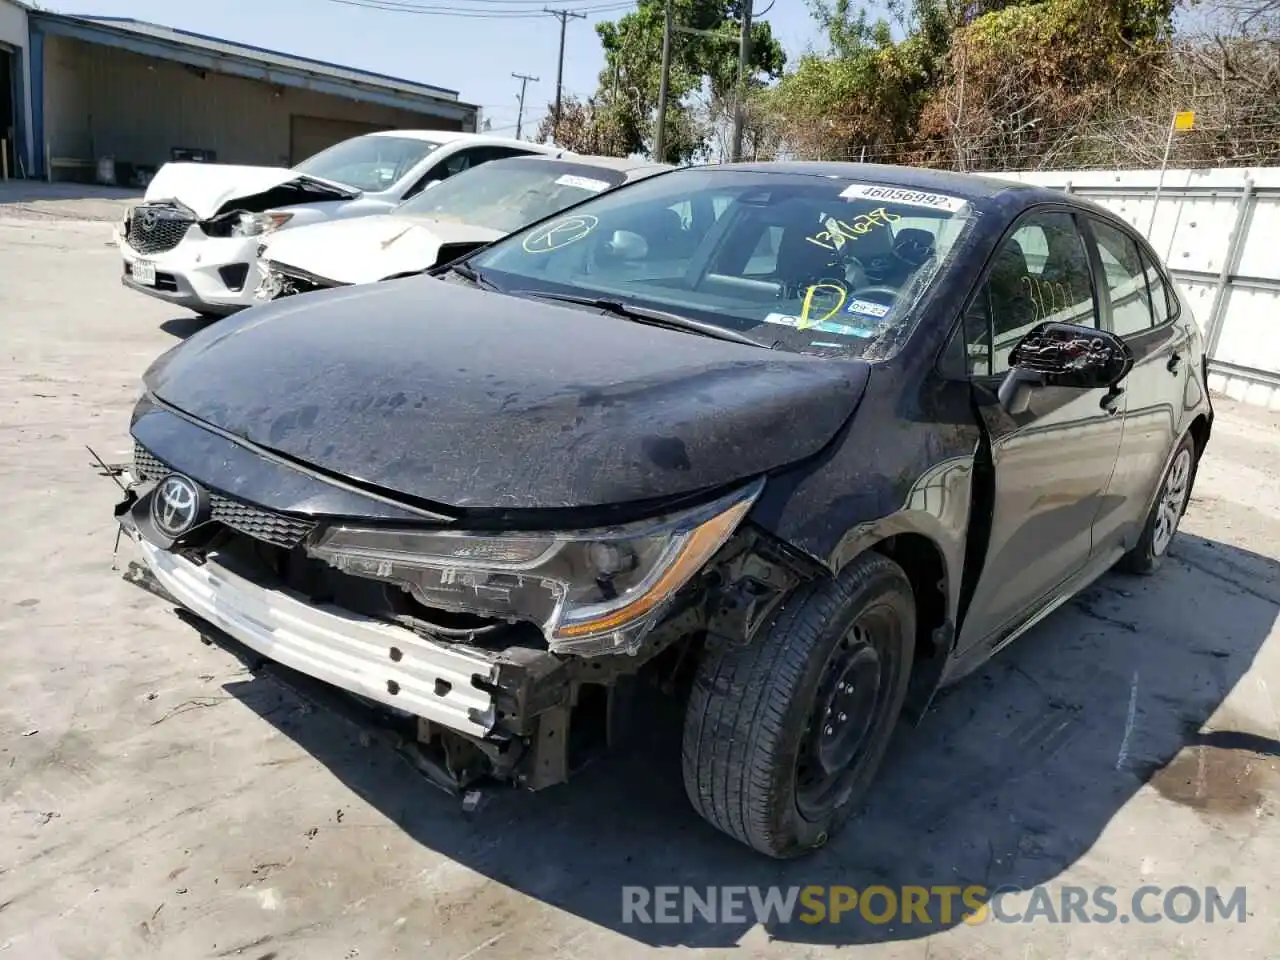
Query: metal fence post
{"type": "Point", "coordinates": [1230, 264]}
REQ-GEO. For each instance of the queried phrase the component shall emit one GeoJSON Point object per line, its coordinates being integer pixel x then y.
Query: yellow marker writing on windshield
{"type": "Point", "coordinates": [807, 305]}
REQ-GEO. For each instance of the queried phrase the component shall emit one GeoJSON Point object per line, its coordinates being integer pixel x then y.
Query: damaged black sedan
{"type": "Point", "coordinates": [800, 442]}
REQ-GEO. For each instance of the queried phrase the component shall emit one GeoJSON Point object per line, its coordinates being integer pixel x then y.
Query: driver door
{"type": "Point", "coordinates": [1052, 464]}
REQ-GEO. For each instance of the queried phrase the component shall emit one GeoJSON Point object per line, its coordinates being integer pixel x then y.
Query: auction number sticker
{"type": "Point", "coordinates": [582, 183]}
{"type": "Point", "coordinates": [910, 198]}
{"type": "Point", "coordinates": [559, 234]}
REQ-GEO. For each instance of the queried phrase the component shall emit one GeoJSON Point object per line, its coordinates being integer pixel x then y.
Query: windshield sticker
{"type": "Point", "coordinates": [837, 232]}
{"type": "Point", "coordinates": [826, 343]}
{"type": "Point", "coordinates": [583, 183]}
{"type": "Point", "coordinates": [824, 326]}
{"type": "Point", "coordinates": [867, 308]}
{"type": "Point", "coordinates": [830, 291]}
{"type": "Point", "coordinates": [910, 198]}
{"type": "Point", "coordinates": [559, 234]}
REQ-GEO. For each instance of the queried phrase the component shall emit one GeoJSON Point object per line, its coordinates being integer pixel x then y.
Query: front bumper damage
{"type": "Point", "coordinates": [467, 714]}
{"type": "Point", "coordinates": [464, 712]}
{"type": "Point", "coordinates": [391, 665]}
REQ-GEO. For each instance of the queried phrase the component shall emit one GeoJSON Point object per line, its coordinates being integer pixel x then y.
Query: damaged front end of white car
{"type": "Point", "coordinates": [192, 240]}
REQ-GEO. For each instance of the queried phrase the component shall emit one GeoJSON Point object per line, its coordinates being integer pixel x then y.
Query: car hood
{"type": "Point", "coordinates": [208, 188]}
{"type": "Point", "coordinates": [464, 398]}
{"type": "Point", "coordinates": [366, 249]}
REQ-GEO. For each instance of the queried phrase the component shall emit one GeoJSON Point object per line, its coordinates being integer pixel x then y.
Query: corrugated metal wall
{"type": "Point", "coordinates": [102, 101]}
{"type": "Point", "coordinates": [14, 37]}
{"type": "Point", "coordinates": [1219, 231]}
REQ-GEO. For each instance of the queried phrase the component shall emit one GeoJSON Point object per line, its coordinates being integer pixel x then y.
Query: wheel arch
{"type": "Point", "coordinates": [924, 562]}
{"type": "Point", "coordinates": [1199, 429]}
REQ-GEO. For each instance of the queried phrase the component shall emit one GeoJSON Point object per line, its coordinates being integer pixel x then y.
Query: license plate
{"type": "Point", "coordinates": [144, 272]}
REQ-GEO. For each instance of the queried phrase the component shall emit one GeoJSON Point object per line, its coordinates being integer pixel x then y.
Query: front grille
{"type": "Point", "coordinates": [155, 228]}
{"type": "Point", "coordinates": [265, 525]}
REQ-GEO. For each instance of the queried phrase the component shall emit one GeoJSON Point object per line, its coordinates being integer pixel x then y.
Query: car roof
{"type": "Point", "coordinates": [623, 164]}
{"type": "Point", "coordinates": [457, 136]}
{"type": "Point", "coordinates": [970, 186]}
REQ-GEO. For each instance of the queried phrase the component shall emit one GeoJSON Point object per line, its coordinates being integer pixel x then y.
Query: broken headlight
{"type": "Point", "coordinates": [591, 592]}
{"type": "Point", "coordinates": [255, 224]}
{"type": "Point", "coordinates": [272, 283]}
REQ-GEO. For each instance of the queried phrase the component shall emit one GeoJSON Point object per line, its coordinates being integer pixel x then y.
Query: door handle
{"type": "Point", "coordinates": [1108, 402]}
{"type": "Point", "coordinates": [1174, 360]}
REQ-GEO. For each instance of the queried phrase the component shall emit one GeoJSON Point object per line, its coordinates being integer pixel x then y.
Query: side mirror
{"type": "Point", "coordinates": [429, 184]}
{"type": "Point", "coordinates": [1063, 355]}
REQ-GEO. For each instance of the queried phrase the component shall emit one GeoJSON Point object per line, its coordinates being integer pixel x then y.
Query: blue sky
{"type": "Point", "coordinates": [475, 55]}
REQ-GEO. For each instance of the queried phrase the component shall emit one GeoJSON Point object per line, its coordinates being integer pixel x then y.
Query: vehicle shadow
{"type": "Point", "coordinates": [183, 327]}
{"type": "Point", "coordinates": [1010, 778]}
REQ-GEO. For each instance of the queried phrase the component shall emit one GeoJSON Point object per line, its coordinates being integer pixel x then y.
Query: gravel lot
{"type": "Point", "coordinates": [159, 798]}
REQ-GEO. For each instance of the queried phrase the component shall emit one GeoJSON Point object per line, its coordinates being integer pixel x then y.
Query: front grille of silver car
{"type": "Point", "coordinates": [157, 228]}
{"type": "Point", "coordinates": [266, 525]}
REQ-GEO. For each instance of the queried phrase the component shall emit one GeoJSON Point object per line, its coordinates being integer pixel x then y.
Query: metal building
{"type": "Point", "coordinates": [15, 100]}
{"type": "Point", "coordinates": [143, 94]}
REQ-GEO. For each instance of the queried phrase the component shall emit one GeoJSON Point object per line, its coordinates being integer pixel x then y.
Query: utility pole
{"type": "Point", "coordinates": [564, 16]}
{"type": "Point", "coordinates": [660, 128]}
{"type": "Point", "coordinates": [524, 79]}
{"type": "Point", "coordinates": [744, 54]}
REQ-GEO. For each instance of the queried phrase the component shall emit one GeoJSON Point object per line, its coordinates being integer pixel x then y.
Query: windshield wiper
{"type": "Point", "coordinates": [657, 318]}
{"type": "Point", "coordinates": [468, 272]}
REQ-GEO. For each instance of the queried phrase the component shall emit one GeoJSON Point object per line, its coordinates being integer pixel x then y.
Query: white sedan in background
{"type": "Point", "coordinates": [194, 238]}
{"type": "Point", "coordinates": [442, 224]}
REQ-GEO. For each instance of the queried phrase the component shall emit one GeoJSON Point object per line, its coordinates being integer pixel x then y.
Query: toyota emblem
{"type": "Point", "coordinates": [175, 506]}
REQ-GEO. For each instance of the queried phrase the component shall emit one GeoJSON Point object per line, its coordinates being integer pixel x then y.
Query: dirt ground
{"type": "Point", "coordinates": [157, 798]}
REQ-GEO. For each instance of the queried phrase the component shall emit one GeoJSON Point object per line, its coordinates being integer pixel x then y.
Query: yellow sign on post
{"type": "Point", "coordinates": [1185, 120]}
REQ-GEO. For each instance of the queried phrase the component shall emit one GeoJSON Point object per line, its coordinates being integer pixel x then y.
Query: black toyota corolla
{"type": "Point", "coordinates": [801, 442]}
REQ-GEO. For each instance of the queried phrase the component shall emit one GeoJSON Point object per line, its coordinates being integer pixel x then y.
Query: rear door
{"type": "Point", "coordinates": [1143, 316]}
{"type": "Point", "coordinates": [1052, 464]}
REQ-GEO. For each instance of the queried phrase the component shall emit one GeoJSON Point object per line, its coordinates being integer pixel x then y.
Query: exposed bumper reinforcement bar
{"type": "Point", "coordinates": [379, 661]}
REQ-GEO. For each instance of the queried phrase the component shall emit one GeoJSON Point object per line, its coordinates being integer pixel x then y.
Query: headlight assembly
{"type": "Point", "coordinates": [591, 592]}
{"type": "Point", "coordinates": [255, 224]}
{"type": "Point", "coordinates": [271, 284]}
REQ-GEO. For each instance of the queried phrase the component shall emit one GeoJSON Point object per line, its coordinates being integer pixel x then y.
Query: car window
{"type": "Point", "coordinates": [1126, 280]}
{"type": "Point", "coordinates": [505, 195]}
{"type": "Point", "coordinates": [473, 157]}
{"type": "Point", "coordinates": [816, 265]}
{"type": "Point", "coordinates": [1164, 302]}
{"type": "Point", "coordinates": [1040, 272]}
{"type": "Point", "coordinates": [372, 163]}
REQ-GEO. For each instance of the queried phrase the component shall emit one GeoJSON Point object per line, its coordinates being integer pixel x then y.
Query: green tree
{"type": "Point", "coordinates": [629, 83]}
{"type": "Point", "coordinates": [867, 89]}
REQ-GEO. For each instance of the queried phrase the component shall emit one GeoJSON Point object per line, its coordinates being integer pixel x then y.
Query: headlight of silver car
{"type": "Point", "coordinates": [591, 592]}
{"type": "Point", "coordinates": [271, 284]}
{"type": "Point", "coordinates": [256, 224]}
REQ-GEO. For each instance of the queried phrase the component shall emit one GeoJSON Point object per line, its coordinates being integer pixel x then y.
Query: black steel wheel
{"type": "Point", "coordinates": [783, 735]}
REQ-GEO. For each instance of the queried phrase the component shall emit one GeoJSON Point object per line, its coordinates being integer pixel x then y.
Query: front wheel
{"type": "Point", "coordinates": [783, 736]}
{"type": "Point", "coordinates": [1166, 513]}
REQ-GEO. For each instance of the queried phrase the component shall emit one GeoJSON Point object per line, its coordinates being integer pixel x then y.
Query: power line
{"type": "Point", "coordinates": [392, 6]}
{"type": "Point", "coordinates": [564, 16]}
{"type": "Point", "coordinates": [524, 79]}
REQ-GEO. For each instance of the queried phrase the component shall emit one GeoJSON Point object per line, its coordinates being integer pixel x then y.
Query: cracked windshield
{"type": "Point", "coordinates": [812, 264]}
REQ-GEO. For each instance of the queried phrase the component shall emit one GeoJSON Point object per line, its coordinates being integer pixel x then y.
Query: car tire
{"type": "Point", "coordinates": [1166, 512]}
{"type": "Point", "coordinates": [754, 756]}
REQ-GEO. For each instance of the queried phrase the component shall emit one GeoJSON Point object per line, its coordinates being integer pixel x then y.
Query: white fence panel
{"type": "Point", "coordinates": [1219, 232]}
